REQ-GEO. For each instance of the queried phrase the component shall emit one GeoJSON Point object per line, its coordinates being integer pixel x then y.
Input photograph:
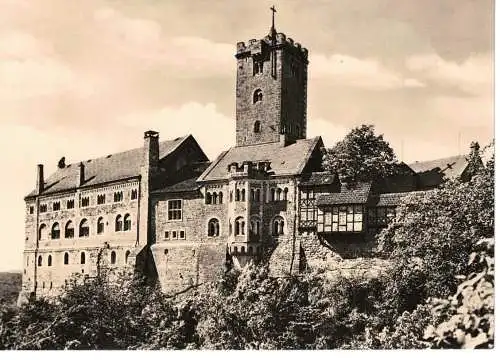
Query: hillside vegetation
{"type": "Point", "coordinates": [10, 286]}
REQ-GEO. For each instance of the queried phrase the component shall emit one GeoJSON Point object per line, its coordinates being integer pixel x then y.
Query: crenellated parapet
{"type": "Point", "coordinates": [254, 47]}
{"type": "Point", "coordinates": [249, 169]}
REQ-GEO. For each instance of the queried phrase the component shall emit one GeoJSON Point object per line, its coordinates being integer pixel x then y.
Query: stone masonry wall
{"type": "Point", "coordinates": [53, 277]}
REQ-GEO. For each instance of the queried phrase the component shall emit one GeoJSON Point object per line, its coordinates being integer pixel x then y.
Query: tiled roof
{"type": "Point", "coordinates": [391, 199]}
{"type": "Point", "coordinates": [347, 195]}
{"type": "Point", "coordinates": [105, 169]}
{"type": "Point", "coordinates": [285, 160]}
{"type": "Point", "coordinates": [451, 167]}
{"type": "Point", "coordinates": [318, 179]}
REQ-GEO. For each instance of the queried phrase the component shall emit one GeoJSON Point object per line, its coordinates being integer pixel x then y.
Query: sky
{"type": "Point", "coordinates": [83, 79]}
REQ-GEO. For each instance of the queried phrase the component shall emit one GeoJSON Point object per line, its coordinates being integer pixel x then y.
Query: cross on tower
{"type": "Point", "coordinates": [273, 9]}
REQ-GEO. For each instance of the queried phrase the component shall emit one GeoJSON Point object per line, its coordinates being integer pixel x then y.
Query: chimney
{"type": "Point", "coordinates": [39, 179]}
{"type": "Point", "coordinates": [151, 150]}
{"type": "Point", "coordinates": [81, 174]}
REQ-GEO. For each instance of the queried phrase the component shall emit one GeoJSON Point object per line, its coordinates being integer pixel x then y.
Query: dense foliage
{"type": "Point", "coordinates": [361, 156]}
{"type": "Point", "coordinates": [438, 293]}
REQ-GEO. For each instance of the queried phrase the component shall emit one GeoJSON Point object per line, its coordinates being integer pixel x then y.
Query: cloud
{"type": "Point", "coordinates": [359, 73]}
{"type": "Point", "coordinates": [475, 74]}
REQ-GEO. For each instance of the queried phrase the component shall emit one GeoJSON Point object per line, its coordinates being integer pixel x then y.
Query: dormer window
{"type": "Point", "coordinates": [257, 127]}
{"type": "Point", "coordinates": [257, 96]}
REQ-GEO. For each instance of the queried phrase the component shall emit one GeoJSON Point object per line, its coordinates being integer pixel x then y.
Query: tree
{"type": "Point", "coordinates": [430, 240]}
{"type": "Point", "coordinates": [361, 156]}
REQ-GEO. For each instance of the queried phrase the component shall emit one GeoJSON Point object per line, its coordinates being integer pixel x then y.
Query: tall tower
{"type": "Point", "coordinates": [271, 90]}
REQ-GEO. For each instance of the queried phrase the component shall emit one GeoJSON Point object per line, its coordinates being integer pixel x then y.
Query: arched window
{"type": "Point", "coordinates": [239, 224]}
{"type": "Point", "coordinates": [255, 226]}
{"type": "Point", "coordinates": [257, 96]}
{"type": "Point", "coordinates": [69, 230]}
{"type": "Point", "coordinates": [127, 223]}
{"type": "Point", "coordinates": [250, 250]}
{"type": "Point", "coordinates": [237, 197]}
{"type": "Point", "coordinates": [56, 231]}
{"type": "Point", "coordinates": [213, 227]}
{"type": "Point", "coordinates": [273, 196]}
{"type": "Point", "coordinates": [214, 198]}
{"type": "Point", "coordinates": [208, 198]}
{"type": "Point", "coordinates": [285, 194]}
{"type": "Point", "coordinates": [127, 254]}
{"type": "Point", "coordinates": [42, 232]}
{"type": "Point", "coordinates": [278, 226]}
{"type": "Point", "coordinates": [84, 230]}
{"type": "Point", "coordinates": [118, 223]}
{"type": "Point", "coordinates": [66, 258]}
{"type": "Point", "coordinates": [256, 127]}
{"type": "Point", "coordinates": [220, 197]}
{"type": "Point", "coordinates": [49, 260]}
{"type": "Point", "coordinates": [82, 258]}
{"type": "Point", "coordinates": [257, 195]}
{"type": "Point", "coordinates": [113, 257]}
{"type": "Point", "coordinates": [242, 194]}
{"type": "Point", "coordinates": [278, 194]}
{"type": "Point", "coordinates": [100, 225]}
{"type": "Point", "coordinates": [40, 260]}
{"type": "Point", "coordinates": [242, 249]}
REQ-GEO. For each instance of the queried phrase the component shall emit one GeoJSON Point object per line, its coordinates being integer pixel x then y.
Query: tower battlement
{"type": "Point", "coordinates": [253, 47]}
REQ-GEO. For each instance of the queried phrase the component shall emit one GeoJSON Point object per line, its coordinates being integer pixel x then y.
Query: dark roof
{"type": "Point", "coordinates": [114, 167]}
{"type": "Point", "coordinates": [357, 194]}
{"type": "Point", "coordinates": [395, 184]}
{"type": "Point", "coordinates": [285, 160]}
{"type": "Point", "coordinates": [318, 179]}
{"type": "Point", "coordinates": [187, 182]}
{"type": "Point", "coordinates": [451, 167]}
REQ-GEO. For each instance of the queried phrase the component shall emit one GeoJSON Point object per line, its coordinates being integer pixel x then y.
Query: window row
{"type": "Point", "coordinates": [342, 218]}
{"type": "Point", "coordinates": [276, 194]}
{"type": "Point", "coordinates": [213, 198]}
{"type": "Point", "coordinates": [277, 226]}
{"type": "Point", "coordinates": [112, 258]}
{"type": "Point", "coordinates": [84, 201]}
{"type": "Point", "coordinates": [122, 223]}
{"type": "Point", "coordinates": [175, 234]}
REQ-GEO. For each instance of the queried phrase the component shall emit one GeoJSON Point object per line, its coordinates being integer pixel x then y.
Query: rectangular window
{"type": "Point", "coordinates": [174, 234]}
{"type": "Point", "coordinates": [174, 209]}
{"type": "Point", "coordinates": [101, 199]}
{"type": "Point", "coordinates": [56, 206]}
{"type": "Point", "coordinates": [133, 194]}
{"type": "Point", "coordinates": [181, 234]}
{"type": "Point", "coordinates": [167, 234]}
{"type": "Point", "coordinates": [32, 209]}
{"type": "Point", "coordinates": [70, 204]}
{"type": "Point", "coordinates": [43, 208]}
{"type": "Point", "coordinates": [85, 201]}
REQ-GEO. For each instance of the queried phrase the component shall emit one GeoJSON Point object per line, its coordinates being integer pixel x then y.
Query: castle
{"type": "Point", "coordinates": [167, 210]}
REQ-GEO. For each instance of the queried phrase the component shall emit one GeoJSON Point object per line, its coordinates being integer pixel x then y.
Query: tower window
{"type": "Point", "coordinates": [257, 127]}
{"type": "Point", "coordinates": [257, 96]}
{"type": "Point", "coordinates": [258, 67]}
